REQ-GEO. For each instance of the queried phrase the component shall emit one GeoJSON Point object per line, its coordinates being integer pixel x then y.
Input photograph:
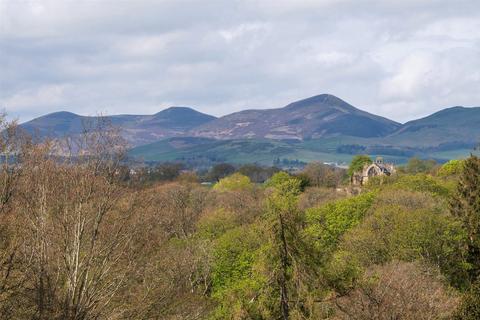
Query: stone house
{"type": "Point", "coordinates": [377, 168]}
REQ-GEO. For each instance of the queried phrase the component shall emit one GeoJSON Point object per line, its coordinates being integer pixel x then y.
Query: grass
{"type": "Point", "coordinates": [264, 151]}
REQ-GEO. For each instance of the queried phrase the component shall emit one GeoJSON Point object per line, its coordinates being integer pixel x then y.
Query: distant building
{"type": "Point", "coordinates": [377, 168]}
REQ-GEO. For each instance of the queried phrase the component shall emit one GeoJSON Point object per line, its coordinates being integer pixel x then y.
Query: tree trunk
{"type": "Point", "coordinates": [283, 276]}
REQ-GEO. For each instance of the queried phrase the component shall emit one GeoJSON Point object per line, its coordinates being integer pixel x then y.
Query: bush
{"type": "Point", "coordinates": [326, 224]}
{"type": "Point", "coordinates": [235, 182]}
{"type": "Point", "coordinates": [234, 282]}
{"type": "Point", "coordinates": [408, 227]}
{"type": "Point", "coordinates": [452, 167]}
{"type": "Point", "coordinates": [469, 308]}
{"type": "Point", "coordinates": [417, 165]}
{"type": "Point", "coordinates": [421, 183]}
{"type": "Point", "coordinates": [277, 179]}
{"type": "Point", "coordinates": [215, 223]}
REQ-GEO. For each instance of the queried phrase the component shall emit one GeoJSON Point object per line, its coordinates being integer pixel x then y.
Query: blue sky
{"type": "Point", "coordinates": [400, 59]}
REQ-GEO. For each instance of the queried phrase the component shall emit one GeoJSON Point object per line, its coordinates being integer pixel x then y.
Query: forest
{"type": "Point", "coordinates": [86, 237]}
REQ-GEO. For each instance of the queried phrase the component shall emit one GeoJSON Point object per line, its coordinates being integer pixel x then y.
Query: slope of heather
{"type": "Point", "coordinates": [316, 117]}
{"type": "Point", "coordinates": [137, 129]}
{"type": "Point", "coordinates": [456, 125]}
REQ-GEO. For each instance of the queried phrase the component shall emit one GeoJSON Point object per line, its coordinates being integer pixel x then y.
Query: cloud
{"type": "Point", "coordinates": [413, 75]}
{"type": "Point", "coordinates": [400, 59]}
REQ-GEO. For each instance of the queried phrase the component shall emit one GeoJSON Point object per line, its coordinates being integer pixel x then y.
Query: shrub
{"type": "Point", "coordinates": [234, 282]}
{"type": "Point", "coordinates": [409, 227]}
{"type": "Point", "coordinates": [417, 165]}
{"type": "Point", "coordinates": [234, 182]}
{"type": "Point", "coordinates": [469, 308]}
{"type": "Point", "coordinates": [422, 183]}
{"type": "Point", "coordinates": [326, 224]}
{"type": "Point", "coordinates": [277, 179]}
{"type": "Point", "coordinates": [215, 223]}
{"type": "Point", "coordinates": [452, 167]}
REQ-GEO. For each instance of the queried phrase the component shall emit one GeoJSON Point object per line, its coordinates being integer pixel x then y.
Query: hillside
{"type": "Point", "coordinates": [322, 128]}
{"type": "Point", "coordinates": [137, 129]}
{"type": "Point", "coordinates": [316, 117]}
{"type": "Point", "coordinates": [449, 126]}
{"type": "Point", "coordinates": [208, 151]}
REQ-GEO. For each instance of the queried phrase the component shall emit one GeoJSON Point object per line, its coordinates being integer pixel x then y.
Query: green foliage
{"type": "Point", "coordinates": [236, 251]}
{"type": "Point", "coordinates": [277, 179]}
{"type": "Point", "coordinates": [287, 258]}
{"type": "Point", "coordinates": [357, 164]}
{"type": "Point", "coordinates": [280, 178]}
{"type": "Point", "coordinates": [342, 270]}
{"type": "Point", "coordinates": [234, 182]}
{"type": "Point", "coordinates": [421, 183]}
{"type": "Point", "coordinates": [304, 181]}
{"type": "Point", "coordinates": [256, 173]}
{"type": "Point", "coordinates": [396, 232]}
{"type": "Point", "coordinates": [469, 308]}
{"type": "Point", "coordinates": [452, 167]}
{"type": "Point", "coordinates": [326, 224]}
{"type": "Point", "coordinates": [416, 165]}
{"type": "Point", "coordinates": [404, 225]}
{"type": "Point", "coordinates": [215, 223]}
{"type": "Point", "coordinates": [284, 197]}
{"type": "Point", "coordinates": [380, 182]}
{"type": "Point", "coordinates": [234, 255]}
{"type": "Point", "coordinates": [234, 282]}
{"type": "Point", "coordinates": [465, 204]}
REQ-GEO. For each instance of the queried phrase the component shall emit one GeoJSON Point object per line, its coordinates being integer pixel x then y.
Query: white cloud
{"type": "Point", "coordinates": [42, 97]}
{"type": "Point", "coordinates": [415, 73]}
{"type": "Point", "coordinates": [334, 58]}
{"type": "Point", "coordinates": [241, 30]}
{"type": "Point", "coordinates": [461, 29]}
{"type": "Point", "coordinates": [400, 59]}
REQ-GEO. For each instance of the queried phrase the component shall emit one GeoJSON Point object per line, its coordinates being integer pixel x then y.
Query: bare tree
{"type": "Point", "coordinates": [13, 145]}
{"type": "Point", "coordinates": [398, 290]}
{"type": "Point", "coordinates": [78, 226]}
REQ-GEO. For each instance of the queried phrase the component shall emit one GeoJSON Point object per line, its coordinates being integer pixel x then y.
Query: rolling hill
{"type": "Point", "coordinates": [316, 117]}
{"type": "Point", "coordinates": [449, 126]}
{"type": "Point", "coordinates": [205, 151]}
{"type": "Point", "coordinates": [136, 129]}
{"type": "Point", "coordinates": [323, 128]}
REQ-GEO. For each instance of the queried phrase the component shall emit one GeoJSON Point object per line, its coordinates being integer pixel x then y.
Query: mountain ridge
{"type": "Point", "coordinates": [322, 125]}
{"type": "Point", "coordinates": [136, 129]}
{"type": "Point", "coordinates": [313, 117]}
{"type": "Point", "coordinates": [453, 124]}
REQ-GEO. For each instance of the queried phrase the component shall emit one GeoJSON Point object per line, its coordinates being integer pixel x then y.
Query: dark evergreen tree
{"type": "Point", "coordinates": [465, 204]}
{"type": "Point", "coordinates": [290, 263]}
{"type": "Point", "coordinates": [220, 171]}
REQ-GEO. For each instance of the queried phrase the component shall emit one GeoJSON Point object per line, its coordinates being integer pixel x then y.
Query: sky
{"type": "Point", "coordinates": [401, 59]}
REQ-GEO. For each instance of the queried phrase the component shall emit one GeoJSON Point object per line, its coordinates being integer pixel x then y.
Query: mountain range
{"type": "Point", "coordinates": [322, 127]}
{"type": "Point", "coordinates": [136, 129]}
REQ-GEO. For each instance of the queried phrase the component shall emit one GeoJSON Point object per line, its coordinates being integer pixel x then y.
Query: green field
{"type": "Point", "coordinates": [265, 152]}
